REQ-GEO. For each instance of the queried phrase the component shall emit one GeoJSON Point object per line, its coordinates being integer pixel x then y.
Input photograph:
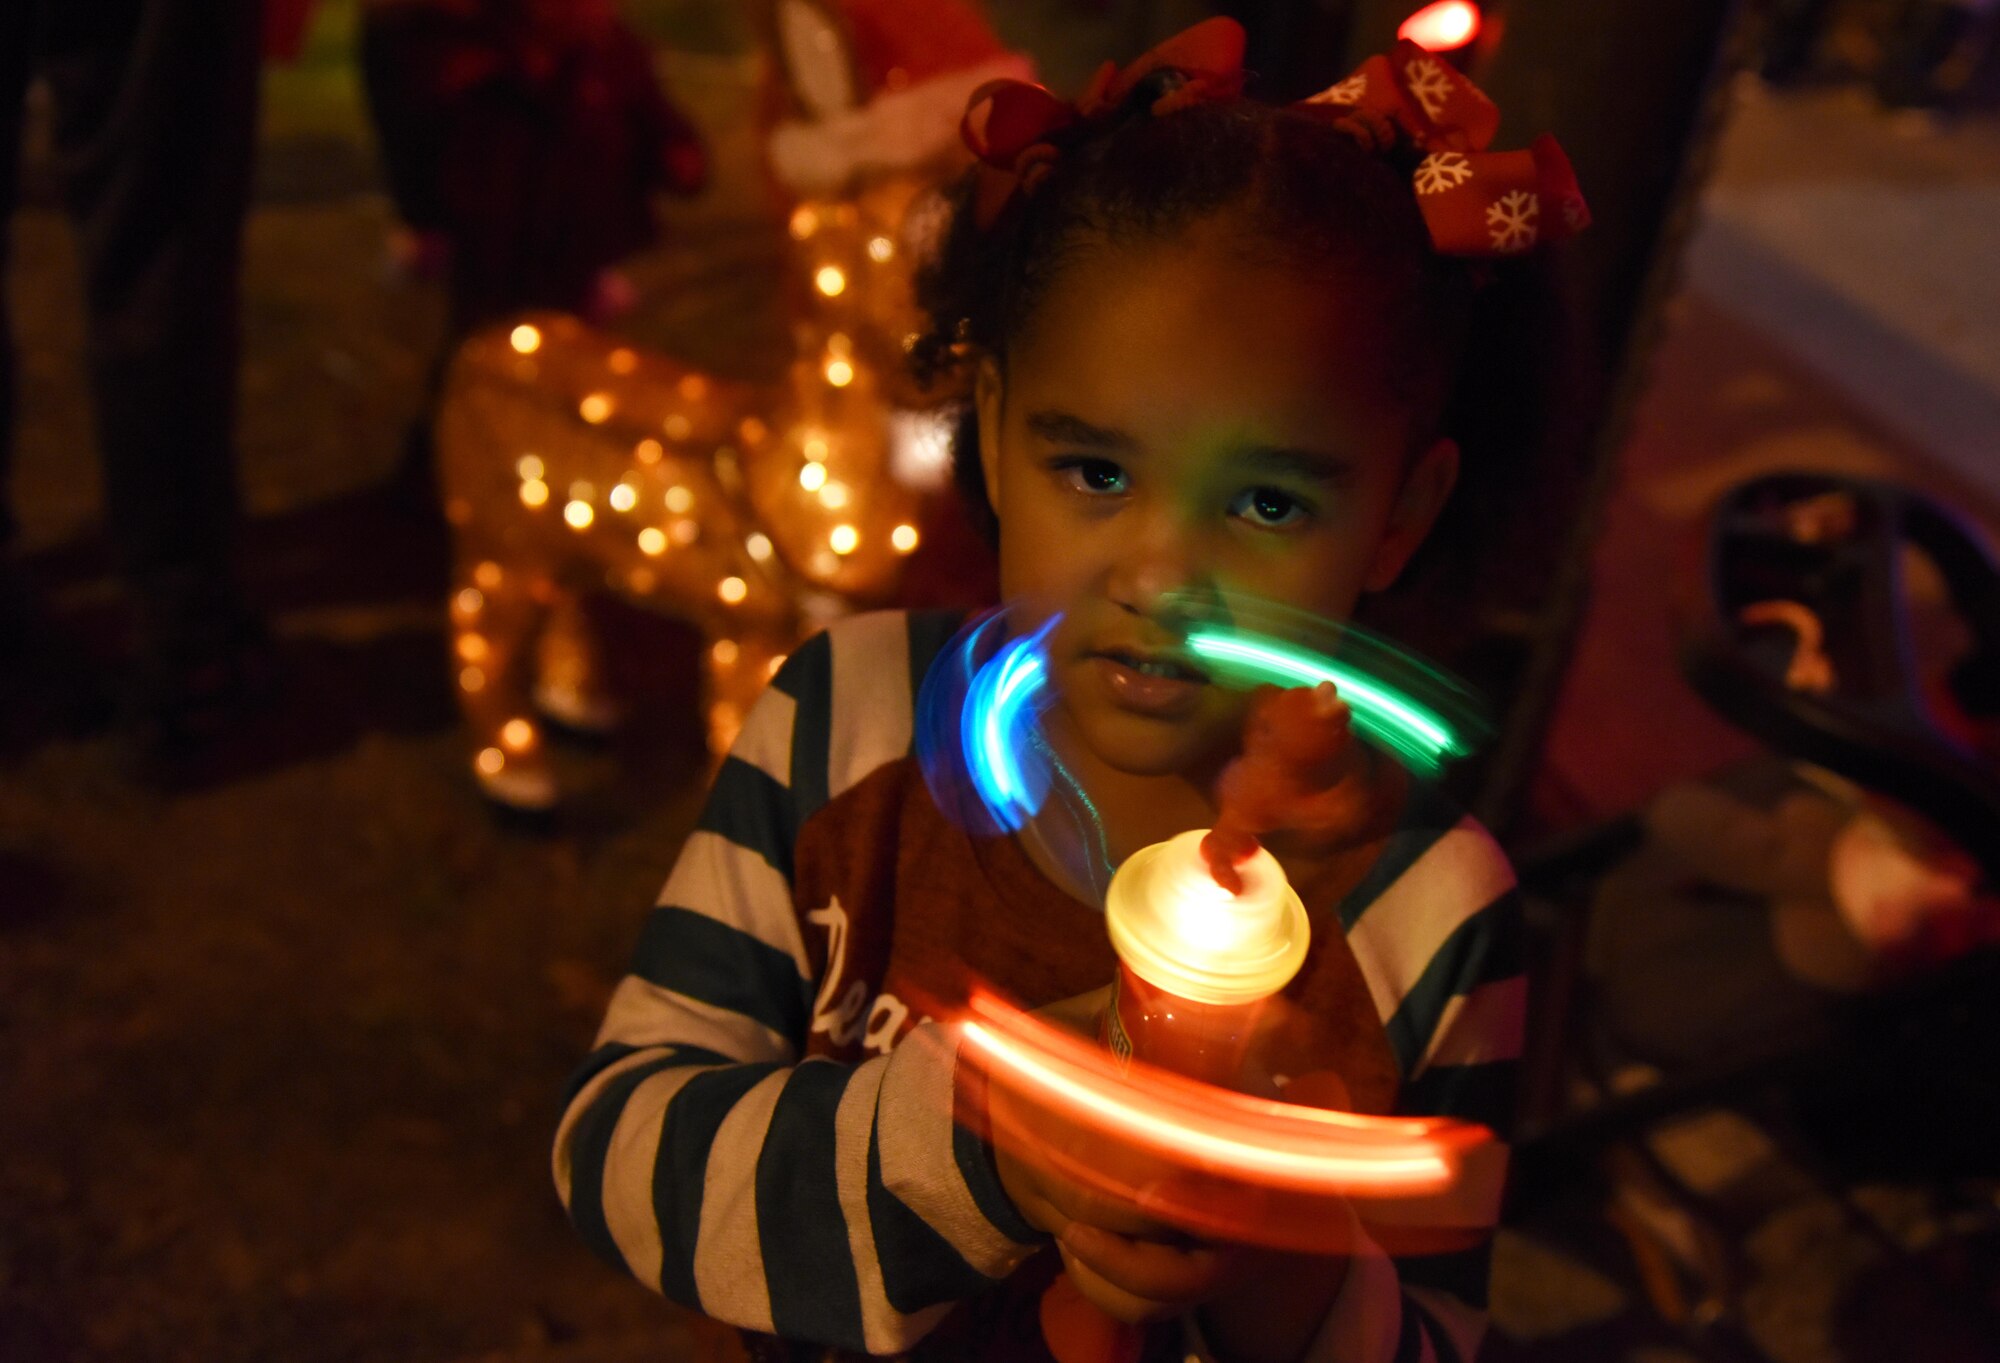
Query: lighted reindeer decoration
{"type": "Point", "coordinates": [574, 464]}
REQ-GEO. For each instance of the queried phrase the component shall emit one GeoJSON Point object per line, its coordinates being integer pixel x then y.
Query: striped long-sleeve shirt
{"type": "Point", "coordinates": [764, 1131]}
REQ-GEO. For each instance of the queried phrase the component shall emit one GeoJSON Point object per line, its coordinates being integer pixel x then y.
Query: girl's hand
{"type": "Point", "coordinates": [1131, 1266]}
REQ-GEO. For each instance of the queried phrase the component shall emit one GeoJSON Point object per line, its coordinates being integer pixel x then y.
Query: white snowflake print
{"type": "Point", "coordinates": [1511, 221]}
{"type": "Point", "coordinates": [1429, 85]}
{"type": "Point", "coordinates": [1349, 91]}
{"type": "Point", "coordinates": [1442, 170]}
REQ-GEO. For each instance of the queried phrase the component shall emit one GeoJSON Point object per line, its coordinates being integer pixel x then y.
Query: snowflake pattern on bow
{"type": "Point", "coordinates": [1428, 84]}
{"type": "Point", "coordinates": [1442, 170]}
{"type": "Point", "coordinates": [1512, 221]}
{"type": "Point", "coordinates": [1349, 91]}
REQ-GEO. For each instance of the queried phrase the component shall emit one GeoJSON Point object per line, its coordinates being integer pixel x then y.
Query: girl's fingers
{"type": "Point", "coordinates": [1148, 1269]}
{"type": "Point", "coordinates": [1115, 1301]}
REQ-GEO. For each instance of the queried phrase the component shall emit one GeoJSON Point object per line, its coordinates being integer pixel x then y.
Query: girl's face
{"type": "Point", "coordinates": [1175, 422]}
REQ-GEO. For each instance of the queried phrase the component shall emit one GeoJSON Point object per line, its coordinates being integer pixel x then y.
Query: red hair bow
{"type": "Point", "coordinates": [1015, 127]}
{"type": "Point", "coordinates": [1475, 202]}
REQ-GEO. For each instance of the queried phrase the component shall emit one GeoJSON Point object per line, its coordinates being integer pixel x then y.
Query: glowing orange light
{"type": "Point", "coordinates": [839, 373]}
{"type": "Point", "coordinates": [833, 496]}
{"type": "Point", "coordinates": [469, 600]}
{"type": "Point", "coordinates": [814, 447]}
{"type": "Point", "coordinates": [677, 427]}
{"type": "Point", "coordinates": [880, 249]}
{"type": "Point", "coordinates": [812, 477]}
{"type": "Point", "coordinates": [489, 761]}
{"type": "Point", "coordinates": [693, 387]}
{"type": "Point", "coordinates": [679, 499]}
{"type": "Point", "coordinates": [472, 679]}
{"type": "Point", "coordinates": [517, 734]}
{"type": "Point", "coordinates": [684, 532]}
{"type": "Point", "coordinates": [472, 647]}
{"type": "Point", "coordinates": [649, 451]}
{"type": "Point", "coordinates": [622, 361]}
{"type": "Point", "coordinates": [830, 281]}
{"type": "Point", "coordinates": [904, 538]}
{"type": "Point", "coordinates": [488, 575]}
{"type": "Point", "coordinates": [844, 539]}
{"type": "Point", "coordinates": [753, 431]}
{"type": "Point", "coordinates": [805, 222]}
{"type": "Point", "coordinates": [534, 492]}
{"type": "Point", "coordinates": [758, 546]}
{"type": "Point", "coordinates": [732, 590]}
{"type": "Point", "coordinates": [530, 467]}
{"type": "Point", "coordinates": [579, 515]}
{"type": "Point", "coordinates": [1442, 27]}
{"type": "Point", "coordinates": [525, 339]}
{"type": "Point", "coordinates": [724, 651]}
{"type": "Point", "coordinates": [641, 580]}
{"type": "Point", "coordinates": [596, 408]}
{"type": "Point", "coordinates": [624, 497]}
{"type": "Point", "coordinates": [652, 540]}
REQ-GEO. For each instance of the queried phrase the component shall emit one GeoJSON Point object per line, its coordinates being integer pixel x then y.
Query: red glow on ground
{"type": "Point", "coordinates": [1443, 27]}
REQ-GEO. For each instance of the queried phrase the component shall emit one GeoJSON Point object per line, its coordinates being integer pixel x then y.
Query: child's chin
{"type": "Point", "coordinates": [1139, 745]}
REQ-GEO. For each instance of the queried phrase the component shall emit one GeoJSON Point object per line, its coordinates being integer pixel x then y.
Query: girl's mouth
{"type": "Point", "coordinates": [1153, 684]}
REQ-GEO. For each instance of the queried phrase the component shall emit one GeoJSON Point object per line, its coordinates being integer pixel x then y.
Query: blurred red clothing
{"type": "Point", "coordinates": [530, 135]}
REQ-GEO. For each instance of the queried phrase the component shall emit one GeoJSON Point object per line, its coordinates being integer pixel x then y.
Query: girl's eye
{"type": "Point", "coordinates": [1094, 477]}
{"type": "Point", "coordinates": [1268, 508]}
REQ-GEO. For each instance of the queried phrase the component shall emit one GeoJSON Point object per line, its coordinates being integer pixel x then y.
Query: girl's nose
{"type": "Point", "coordinates": [1160, 570]}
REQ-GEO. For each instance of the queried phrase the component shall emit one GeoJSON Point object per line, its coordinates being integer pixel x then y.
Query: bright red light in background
{"type": "Point", "coordinates": [1442, 27]}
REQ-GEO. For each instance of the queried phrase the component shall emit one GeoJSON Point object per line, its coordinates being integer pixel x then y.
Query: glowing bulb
{"type": "Point", "coordinates": [839, 373]}
{"type": "Point", "coordinates": [530, 467]}
{"type": "Point", "coordinates": [525, 339]}
{"type": "Point", "coordinates": [805, 222]}
{"type": "Point", "coordinates": [903, 538]}
{"type": "Point", "coordinates": [693, 387]}
{"type": "Point", "coordinates": [833, 496]}
{"type": "Point", "coordinates": [517, 734]}
{"type": "Point", "coordinates": [732, 590]}
{"type": "Point", "coordinates": [880, 249]}
{"type": "Point", "coordinates": [579, 515]}
{"type": "Point", "coordinates": [487, 575]}
{"type": "Point", "coordinates": [624, 497]}
{"type": "Point", "coordinates": [684, 532]}
{"type": "Point", "coordinates": [653, 541]}
{"type": "Point", "coordinates": [472, 679]}
{"type": "Point", "coordinates": [844, 539]}
{"type": "Point", "coordinates": [1442, 27]}
{"type": "Point", "coordinates": [752, 430]}
{"type": "Point", "coordinates": [649, 451]}
{"type": "Point", "coordinates": [758, 546]}
{"type": "Point", "coordinates": [469, 600]}
{"type": "Point", "coordinates": [724, 651]}
{"type": "Point", "coordinates": [595, 409]}
{"type": "Point", "coordinates": [677, 427]}
{"type": "Point", "coordinates": [839, 344]}
{"type": "Point", "coordinates": [641, 580]}
{"type": "Point", "coordinates": [534, 492]}
{"type": "Point", "coordinates": [830, 281]}
{"type": "Point", "coordinates": [622, 361]}
{"type": "Point", "coordinates": [490, 761]}
{"type": "Point", "coordinates": [679, 499]}
{"type": "Point", "coordinates": [814, 448]}
{"type": "Point", "coordinates": [812, 477]}
{"type": "Point", "coordinates": [472, 647]}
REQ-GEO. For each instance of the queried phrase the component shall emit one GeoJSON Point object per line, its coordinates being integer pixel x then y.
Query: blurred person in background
{"type": "Point", "coordinates": [523, 142]}
{"type": "Point", "coordinates": [153, 112]}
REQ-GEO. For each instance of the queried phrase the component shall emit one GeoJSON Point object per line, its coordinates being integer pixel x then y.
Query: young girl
{"type": "Point", "coordinates": [1212, 345]}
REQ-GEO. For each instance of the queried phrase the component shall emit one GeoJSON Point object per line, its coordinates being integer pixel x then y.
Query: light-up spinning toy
{"type": "Point", "coordinates": [1150, 1115]}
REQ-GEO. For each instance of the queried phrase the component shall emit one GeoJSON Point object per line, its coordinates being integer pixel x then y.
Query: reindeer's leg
{"type": "Point", "coordinates": [571, 687]}
{"type": "Point", "coordinates": [496, 615]}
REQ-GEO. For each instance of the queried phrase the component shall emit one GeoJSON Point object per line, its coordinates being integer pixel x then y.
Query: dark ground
{"type": "Point", "coordinates": [280, 1053]}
